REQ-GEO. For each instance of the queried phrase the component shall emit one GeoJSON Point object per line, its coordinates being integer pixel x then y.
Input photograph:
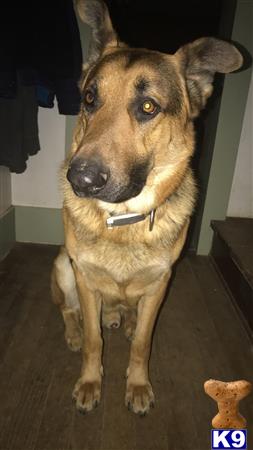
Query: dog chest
{"type": "Point", "coordinates": [122, 270]}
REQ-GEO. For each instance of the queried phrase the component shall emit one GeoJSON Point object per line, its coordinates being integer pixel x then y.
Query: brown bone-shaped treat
{"type": "Point", "coordinates": [228, 395]}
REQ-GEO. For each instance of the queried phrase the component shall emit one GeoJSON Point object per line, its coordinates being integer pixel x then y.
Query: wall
{"type": "Point", "coordinates": [5, 189]}
{"type": "Point", "coordinates": [36, 193]}
{"type": "Point", "coordinates": [227, 139]}
{"type": "Point", "coordinates": [7, 220]}
{"type": "Point", "coordinates": [38, 186]}
{"type": "Point", "coordinates": [241, 196]}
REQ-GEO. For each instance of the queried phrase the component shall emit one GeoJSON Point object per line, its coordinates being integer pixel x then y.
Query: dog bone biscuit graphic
{"type": "Point", "coordinates": [227, 396]}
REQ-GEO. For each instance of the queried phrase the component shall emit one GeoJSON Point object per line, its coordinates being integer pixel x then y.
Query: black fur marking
{"type": "Point", "coordinates": [141, 85]}
{"type": "Point", "coordinates": [137, 179]}
{"type": "Point", "coordinates": [139, 172]}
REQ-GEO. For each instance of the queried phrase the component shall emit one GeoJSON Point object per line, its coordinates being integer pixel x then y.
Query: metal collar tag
{"type": "Point", "coordinates": [151, 219]}
{"type": "Point", "coordinates": [128, 219]}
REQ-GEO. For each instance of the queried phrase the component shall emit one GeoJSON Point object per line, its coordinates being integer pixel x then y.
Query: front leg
{"type": "Point", "coordinates": [139, 393]}
{"type": "Point", "coordinates": [87, 390]}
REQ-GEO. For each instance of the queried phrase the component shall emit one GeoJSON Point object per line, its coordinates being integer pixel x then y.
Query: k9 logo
{"type": "Point", "coordinates": [229, 439]}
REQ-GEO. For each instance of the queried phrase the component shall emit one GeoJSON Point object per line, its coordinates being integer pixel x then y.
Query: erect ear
{"type": "Point", "coordinates": [95, 14]}
{"type": "Point", "coordinates": [199, 61]}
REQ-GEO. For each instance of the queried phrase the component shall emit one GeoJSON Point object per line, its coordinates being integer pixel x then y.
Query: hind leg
{"type": "Point", "coordinates": [64, 293]}
{"type": "Point", "coordinates": [130, 319]}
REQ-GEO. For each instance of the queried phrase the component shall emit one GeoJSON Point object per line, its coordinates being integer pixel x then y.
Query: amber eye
{"type": "Point", "coordinates": [148, 107]}
{"type": "Point", "coordinates": [89, 97]}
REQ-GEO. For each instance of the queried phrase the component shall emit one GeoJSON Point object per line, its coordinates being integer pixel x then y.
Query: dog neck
{"type": "Point", "coordinates": [130, 218]}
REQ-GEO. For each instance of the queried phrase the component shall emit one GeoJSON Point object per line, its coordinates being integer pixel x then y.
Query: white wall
{"type": "Point", "coordinates": [39, 185]}
{"type": "Point", "coordinates": [241, 196]}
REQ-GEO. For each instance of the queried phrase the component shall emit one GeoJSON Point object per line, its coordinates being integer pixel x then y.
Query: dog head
{"type": "Point", "coordinates": [135, 127]}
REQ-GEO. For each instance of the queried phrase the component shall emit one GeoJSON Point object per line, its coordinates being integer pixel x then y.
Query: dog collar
{"type": "Point", "coordinates": [129, 218]}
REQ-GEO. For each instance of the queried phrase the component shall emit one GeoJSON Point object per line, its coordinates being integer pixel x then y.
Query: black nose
{"type": "Point", "coordinates": [87, 177]}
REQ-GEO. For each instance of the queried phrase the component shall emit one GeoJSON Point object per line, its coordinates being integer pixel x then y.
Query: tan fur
{"type": "Point", "coordinates": [123, 272]}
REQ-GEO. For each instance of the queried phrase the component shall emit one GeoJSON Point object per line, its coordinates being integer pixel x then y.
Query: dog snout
{"type": "Point", "coordinates": [87, 177]}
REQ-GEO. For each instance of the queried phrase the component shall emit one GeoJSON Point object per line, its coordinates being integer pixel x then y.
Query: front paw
{"type": "Point", "coordinates": [139, 398]}
{"type": "Point", "coordinates": [87, 395]}
{"type": "Point", "coordinates": [74, 341]}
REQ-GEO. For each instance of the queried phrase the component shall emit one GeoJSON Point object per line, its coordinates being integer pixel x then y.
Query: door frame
{"type": "Point", "coordinates": [229, 127]}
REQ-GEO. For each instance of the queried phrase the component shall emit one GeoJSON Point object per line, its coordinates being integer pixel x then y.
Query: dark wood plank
{"type": "Point", "coordinates": [55, 427]}
{"type": "Point", "coordinates": [233, 339]}
{"type": "Point", "coordinates": [118, 429]}
{"type": "Point", "coordinates": [31, 312]}
{"type": "Point", "coordinates": [182, 363]}
{"type": "Point", "coordinates": [237, 348]}
{"type": "Point", "coordinates": [26, 418]}
{"type": "Point", "coordinates": [198, 336]}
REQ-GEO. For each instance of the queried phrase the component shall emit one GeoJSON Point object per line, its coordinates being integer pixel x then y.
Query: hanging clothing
{"type": "Point", "coordinates": [19, 135]}
{"type": "Point", "coordinates": [41, 41]}
{"type": "Point", "coordinates": [40, 62]}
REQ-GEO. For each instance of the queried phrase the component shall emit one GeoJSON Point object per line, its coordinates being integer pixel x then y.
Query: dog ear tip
{"type": "Point", "coordinates": [230, 51]}
{"type": "Point", "coordinates": [237, 63]}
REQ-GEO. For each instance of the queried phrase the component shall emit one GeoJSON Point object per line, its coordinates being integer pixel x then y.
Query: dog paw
{"type": "Point", "coordinates": [74, 341]}
{"type": "Point", "coordinates": [139, 398]}
{"type": "Point", "coordinates": [86, 395]}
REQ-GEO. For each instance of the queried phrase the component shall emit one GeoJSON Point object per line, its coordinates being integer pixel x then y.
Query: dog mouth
{"type": "Point", "coordinates": [89, 192]}
{"type": "Point", "coordinates": [109, 194]}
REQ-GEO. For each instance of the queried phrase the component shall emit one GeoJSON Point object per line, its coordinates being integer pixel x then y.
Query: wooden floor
{"type": "Point", "coordinates": [198, 336]}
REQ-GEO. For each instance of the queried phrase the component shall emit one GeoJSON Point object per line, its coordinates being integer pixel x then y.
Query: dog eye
{"type": "Point", "coordinates": [149, 107]}
{"type": "Point", "coordinates": [89, 98]}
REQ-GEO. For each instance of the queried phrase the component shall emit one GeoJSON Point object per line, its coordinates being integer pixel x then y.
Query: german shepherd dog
{"type": "Point", "coordinates": [129, 193]}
